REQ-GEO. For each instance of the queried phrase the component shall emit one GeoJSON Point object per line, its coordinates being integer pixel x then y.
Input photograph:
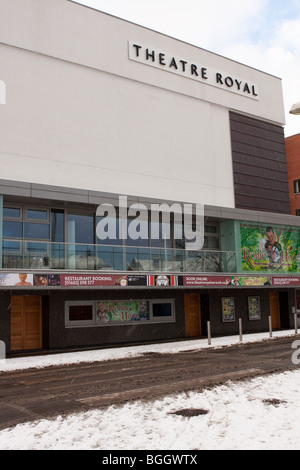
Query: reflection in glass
{"type": "Point", "coordinates": [38, 231]}
{"type": "Point", "coordinates": [80, 228]}
{"type": "Point", "coordinates": [13, 212]}
{"type": "Point", "coordinates": [37, 214]}
{"type": "Point", "coordinates": [12, 229]}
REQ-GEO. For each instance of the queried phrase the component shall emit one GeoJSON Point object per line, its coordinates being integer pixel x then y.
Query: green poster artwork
{"type": "Point", "coordinates": [109, 311]}
{"type": "Point", "coordinates": [270, 248]}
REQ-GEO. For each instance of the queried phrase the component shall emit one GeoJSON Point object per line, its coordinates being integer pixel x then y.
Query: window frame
{"type": "Point", "coordinates": [296, 185]}
{"type": "Point", "coordinates": [79, 323]}
{"type": "Point", "coordinates": [23, 219]}
{"type": "Point", "coordinates": [94, 323]}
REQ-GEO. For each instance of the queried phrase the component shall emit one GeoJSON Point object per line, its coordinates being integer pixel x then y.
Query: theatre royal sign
{"type": "Point", "coordinates": [181, 66]}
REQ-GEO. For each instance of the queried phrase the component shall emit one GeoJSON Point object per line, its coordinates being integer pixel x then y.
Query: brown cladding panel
{"type": "Point", "coordinates": [259, 165]}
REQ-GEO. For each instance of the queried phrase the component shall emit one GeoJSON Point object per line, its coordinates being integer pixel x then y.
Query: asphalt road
{"type": "Point", "coordinates": [36, 394]}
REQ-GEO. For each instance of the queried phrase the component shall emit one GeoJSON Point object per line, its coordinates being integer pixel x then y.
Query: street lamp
{"type": "Point", "coordinates": [295, 109]}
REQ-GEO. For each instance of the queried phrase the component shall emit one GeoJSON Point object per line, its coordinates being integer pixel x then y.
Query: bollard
{"type": "Point", "coordinates": [270, 327]}
{"type": "Point", "coordinates": [240, 330]}
{"type": "Point", "coordinates": [295, 323]}
{"type": "Point", "coordinates": [208, 332]}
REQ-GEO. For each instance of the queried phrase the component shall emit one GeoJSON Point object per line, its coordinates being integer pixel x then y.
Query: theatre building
{"type": "Point", "coordinates": [144, 188]}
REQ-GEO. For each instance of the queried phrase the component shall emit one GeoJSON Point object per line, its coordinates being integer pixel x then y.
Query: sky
{"type": "Point", "coordinates": [264, 34]}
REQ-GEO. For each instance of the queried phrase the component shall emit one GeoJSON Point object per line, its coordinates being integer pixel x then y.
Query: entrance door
{"type": "Point", "coordinates": [26, 322]}
{"type": "Point", "coordinates": [192, 315]}
{"type": "Point", "coordinates": [275, 309]}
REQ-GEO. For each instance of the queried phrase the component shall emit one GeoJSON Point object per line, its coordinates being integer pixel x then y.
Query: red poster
{"type": "Point", "coordinates": [209, 281]}
{"type": "Point", "coordinates": [286, 281]}
{"type": "Point", "coordinates": [90, 280]}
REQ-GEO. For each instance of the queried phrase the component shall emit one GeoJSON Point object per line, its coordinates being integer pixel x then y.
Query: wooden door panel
{"type": "Point", "coordinates": [275, 310]}
{"type": "Point", "coordinates": [26, 322]}
{"type": "Point", "coordinates": [16, 323]}
{"type": "Point", "coordinates": [192, 315]}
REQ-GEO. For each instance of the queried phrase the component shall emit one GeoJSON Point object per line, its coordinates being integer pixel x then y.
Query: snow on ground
{"type": "Point", "coordinates": [261, 413]}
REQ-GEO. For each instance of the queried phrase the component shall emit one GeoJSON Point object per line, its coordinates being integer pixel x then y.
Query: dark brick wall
{"type": "Point", "coordinates": [61, 337]}
{"type": "Point", "coordinates": [57, 336]}
{"type": "Point", "coordinates": [218, 327]}
{"type": "Point", "coordinates": [259, 165]}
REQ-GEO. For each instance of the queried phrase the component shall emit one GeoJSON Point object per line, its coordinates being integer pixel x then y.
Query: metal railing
{"type": "Point", "coordinates": [69, 256]}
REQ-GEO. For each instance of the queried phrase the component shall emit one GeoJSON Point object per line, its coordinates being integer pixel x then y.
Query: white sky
{"type": "Point", "coordinates": [264, 34]}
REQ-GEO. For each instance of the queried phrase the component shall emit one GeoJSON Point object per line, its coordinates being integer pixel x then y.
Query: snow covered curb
{"type": "Point", "coordinates": [133, 351]}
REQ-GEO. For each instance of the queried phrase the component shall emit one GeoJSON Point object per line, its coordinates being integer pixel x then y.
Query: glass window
{"type": "Point", "coordinates": [12, 229]}
{"type": "Point", "coordinates": [211, 229]}
{"type": "Point", "coordinates": [57, 225]}
{"type": "Point", "coordinates": [110, 228]}
{"type": "Point", "coordinates": [162, 309]}
{"type": "Point", "coordinates": [80, 312]}
{"type": "Point", "coordinates": [160, 236]}
{"type": "Point", "coordinates": [38, 231]}
{"type": "Point", "coordinates": [81, 228]}
{"type": "Point", "coordinates": [36, 248]}
{"type": "Point", "coordinates": [297, 186]}
{"type": "Point", "coordinates": [211, 243]}
{"type": "Point", "coordinates": [109, 312]}
{"type": "Point", "coordinates": [12, 212]}
{"type": "Point", "coordinates": [37, 214]}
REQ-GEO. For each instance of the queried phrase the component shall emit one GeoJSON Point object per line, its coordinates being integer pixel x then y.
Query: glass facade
{"type": "Point", "coordinates": [58, 239]}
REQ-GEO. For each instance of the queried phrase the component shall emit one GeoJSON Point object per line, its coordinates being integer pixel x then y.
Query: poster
{"type": "Point", "coordinates": [251, 281]}
{"type": "Point", "coordinates": [209, 281]}
{"type": "Point", "coordinates": [228, 311]}
{"type": "Point", "coordinates": [254, 308]}
{"type": "Point", "coordinates": [270, 248]}
{"type": "Point", "coordinates": [16, 279]}
{"type": "Point", "coordinates": [90, 280]}
{"type": "Point", "coordinates": [110, 311]}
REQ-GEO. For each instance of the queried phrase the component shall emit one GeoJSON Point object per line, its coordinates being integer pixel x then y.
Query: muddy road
{"type": "Point", "coordinates": [59, 390]}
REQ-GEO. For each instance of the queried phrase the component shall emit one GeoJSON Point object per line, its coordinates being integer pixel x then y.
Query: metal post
{"type": "Point", "coordinates": [240, 329]}
{"type": "Point", "coordinates": [295, 323]}
{"type": "Point", "coordinates": [208, 332]}
{"type": "Point", "coordinates": [270, 326]}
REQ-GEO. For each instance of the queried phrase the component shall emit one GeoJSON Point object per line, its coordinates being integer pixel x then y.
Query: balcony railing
{"type": "Point", "coordinates": [64, 256]}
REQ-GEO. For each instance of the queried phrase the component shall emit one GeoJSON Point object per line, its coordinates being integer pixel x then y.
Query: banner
{"type": "Point", "coordinates": [270, 248]}
{"type": "Point", "coordinates": [90, 280]}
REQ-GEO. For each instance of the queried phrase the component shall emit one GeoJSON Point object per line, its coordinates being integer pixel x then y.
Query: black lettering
{"type": "Point", "coordinates": [183, 62]}
{"type": "Point", "coordinates": [173, 63]}
{"type": "Point", "coordinates": [152, 55]}
{"type": "Point", "coordinates": [161, 59]}
{"type": "Point", "coordinates": [246, 88]}
{"type": "Point", "coordinates": [229, 82]}
{"type": "Point", "coordinates": [203, 73]}
{"type": "Point", "coordinates": [253, 91]}
{"type": "Point", "coordinates": [219, 78]}
{"type": "Point", "coordinates": [238, 84]}
{"type": "Point", "coordinates": [194, 70]}
{"type": "Point", "coordinates": [137, 49]}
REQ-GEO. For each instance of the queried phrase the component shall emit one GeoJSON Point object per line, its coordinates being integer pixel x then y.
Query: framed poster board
{"type": "Point", "coordinates": [228, 310]}
{"type": "Point", "coordinates": [254, 311]}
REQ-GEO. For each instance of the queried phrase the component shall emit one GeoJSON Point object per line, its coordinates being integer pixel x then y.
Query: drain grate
{"type": "Point", "coordinates": [274, 401]}
{"type": "Point", "coordinates": [190, 412]}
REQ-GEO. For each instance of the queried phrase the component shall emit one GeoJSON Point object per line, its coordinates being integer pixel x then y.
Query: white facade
{"type": "Point", "coordinates": [86, 108]}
